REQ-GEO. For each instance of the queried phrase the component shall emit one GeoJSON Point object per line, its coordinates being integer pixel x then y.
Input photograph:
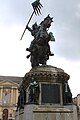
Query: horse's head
{"type": "Point", "coordinates": [47, 21]}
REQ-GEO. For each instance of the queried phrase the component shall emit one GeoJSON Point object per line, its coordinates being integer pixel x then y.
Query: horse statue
{"type": "Point", "coordinates": [39, 48]}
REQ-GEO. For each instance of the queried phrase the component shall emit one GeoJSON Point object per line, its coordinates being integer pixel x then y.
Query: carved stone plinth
{"type": "Point", "coordinates": [48, 102]}
{"type": "Point", "coordinates": [51, 82]}
{"type": "Point", "coordinates": [45, 74]}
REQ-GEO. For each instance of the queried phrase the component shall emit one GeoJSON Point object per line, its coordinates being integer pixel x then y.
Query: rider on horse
{"type": "Point", "coordinates": [39, 48]}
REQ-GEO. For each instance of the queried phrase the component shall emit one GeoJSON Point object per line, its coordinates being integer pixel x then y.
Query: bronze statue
{"type": "Point", "coordinates": [21, 99]}
{"type": "Point", "coordinates": [40, 48]}
{"type": "Point", "coordinates": [67, 95]}
{"type": "Point", "coordinates": [33, 92]}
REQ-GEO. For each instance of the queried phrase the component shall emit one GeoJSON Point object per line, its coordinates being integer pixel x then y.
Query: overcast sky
{"type": "Point", "coordinates": [14, 15]}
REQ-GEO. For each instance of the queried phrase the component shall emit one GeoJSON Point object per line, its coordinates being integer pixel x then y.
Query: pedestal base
{"type": "Point", "coordinates": [47, 112]}
{"type": "Point", "coordinates": [51, 95]}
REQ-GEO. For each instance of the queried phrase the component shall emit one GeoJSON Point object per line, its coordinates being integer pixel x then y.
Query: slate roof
{"type": "Point", "coordinates": [12, 78]}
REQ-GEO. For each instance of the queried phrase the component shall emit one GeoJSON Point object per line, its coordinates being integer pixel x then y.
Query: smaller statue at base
{"type": "Point", "coordinates": [67, 95]}
{"type": "Point", "coordinates": [21, 99]}
{"type": "Point", "coordinates": [33, 92]}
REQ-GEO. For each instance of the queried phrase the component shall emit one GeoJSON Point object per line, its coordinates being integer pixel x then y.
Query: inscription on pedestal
{"type": "Point", "coordinates": [50, 93]}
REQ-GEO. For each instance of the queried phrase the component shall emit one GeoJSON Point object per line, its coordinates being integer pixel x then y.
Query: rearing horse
{"type": "Point", "coordinates": [39, 48]}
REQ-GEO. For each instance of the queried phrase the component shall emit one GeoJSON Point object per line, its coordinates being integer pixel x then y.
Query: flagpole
{"type": "Point", "coordinates": [36, 6]}
{"type": "Point", "coordinates": [27, 24]}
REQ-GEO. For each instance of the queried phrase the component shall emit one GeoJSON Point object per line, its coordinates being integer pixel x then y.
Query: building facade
{"type": "Point", "coordinates": [8, 96]}
{"type": "Point", "coordinates": [76, 101]}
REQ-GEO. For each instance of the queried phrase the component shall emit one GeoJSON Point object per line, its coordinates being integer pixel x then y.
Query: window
{"type": "Point", "coordinates": [6, 93]}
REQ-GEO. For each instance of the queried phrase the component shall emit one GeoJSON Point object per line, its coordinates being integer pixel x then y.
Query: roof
{"type": "Point", "coordinates": [8, 83]}
{"type": "Point", "coordinates": [11, 78]}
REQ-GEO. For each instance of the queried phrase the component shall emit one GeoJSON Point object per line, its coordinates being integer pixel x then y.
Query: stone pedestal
{"type": "Point", "coordinates": [51, 83]}
{"type": "Point", "coordinates": [17, 115]}
{"type": "Point", "coordinates": [51, 98]}
{"type": "Point", "coordinates": [49, 112]}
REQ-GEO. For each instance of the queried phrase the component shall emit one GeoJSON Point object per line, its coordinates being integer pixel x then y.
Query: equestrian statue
{"type": "Point", "coordinates": [39, 48]}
